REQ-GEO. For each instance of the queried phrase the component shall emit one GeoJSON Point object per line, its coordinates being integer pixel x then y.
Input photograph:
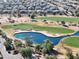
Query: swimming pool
{"type": "Point", "coordinates": [39, 38]}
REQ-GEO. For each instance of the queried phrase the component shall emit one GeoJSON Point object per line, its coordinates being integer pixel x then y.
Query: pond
{"type": "Point", "coordinates": [39, 38]}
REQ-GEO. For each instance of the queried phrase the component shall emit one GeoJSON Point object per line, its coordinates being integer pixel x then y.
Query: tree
{"type": "Point", "coordinates": [1, 32]}
{"type": "Point", "coordinates": [26, 53]}
{"type": "Point", "coordinates": [44, 51]}
{"type": "Point", "coordinates": [77, 56]}
{"type": "Point", "coordinates": [9, 40]}
{"type": "Point", "coordinates": [28, 41]}
{"type": "Point", "coordinates": [48, 45]}
{"type": "Point", "coordinates": [38, 47]}
{"type": "Point", "coordinates": [4, 35]}
{"type": "Point", "coordinates": [33, 15]}
{"type": "Point", "coordinates": [18, 43]}
{"type": "Point", "coordinates": [18, 12]}
{"type": "Point", "coordinates": [63, 22]}
{"type": "Point", "coordinates": [44, 13]}
{"type": "Point", "coordinates": [77, 14]}
{"type": "Point", "coordinates": [70, 55]}
{"type": "Point", "coordinates": [8, 45]}
{"type": "Point", "coordinates": [1, 12]}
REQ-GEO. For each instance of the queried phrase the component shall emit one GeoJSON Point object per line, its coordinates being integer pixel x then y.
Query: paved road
{"type": "Point", "coordinates": [5, 53]}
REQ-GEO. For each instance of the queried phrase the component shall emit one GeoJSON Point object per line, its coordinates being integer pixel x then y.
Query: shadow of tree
{"type": "Point", "coordinates": [56, 52]}
{"type": "Point", "coordinates": [67, 49]}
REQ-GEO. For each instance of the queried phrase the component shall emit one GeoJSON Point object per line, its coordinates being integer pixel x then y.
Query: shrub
{"type": "Point", "coordinates": [26, 52]}
{"type": "Point", "coordinates": [48, 46]}
{"type": "Point", "coordinates": [18, 43]}
{"type": "Point", "coordinates": [8, 45]}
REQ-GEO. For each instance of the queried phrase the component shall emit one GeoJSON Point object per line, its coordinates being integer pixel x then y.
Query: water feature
{"type": "Point", "coordinates": [39, 38]}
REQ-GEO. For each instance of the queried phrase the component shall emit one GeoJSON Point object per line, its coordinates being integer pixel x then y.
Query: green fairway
{"type": "Point", "coordinates": [72, 41]}
{"type": "Point", "coordinates": [59, 30]}
{"type": "Point", "coordinates": [66, 19]}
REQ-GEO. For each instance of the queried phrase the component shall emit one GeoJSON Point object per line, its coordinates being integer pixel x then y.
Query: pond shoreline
{"type": "Point", "coordinates": [46, 33]}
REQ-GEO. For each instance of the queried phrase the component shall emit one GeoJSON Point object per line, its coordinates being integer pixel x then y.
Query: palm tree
{"type": "Point", "coordinates": [26, 53]}
{"type": "Point", "coordinates": [28, 41]}
{"type": "Point", "coordinates": [48, 45]}
{"type": "Point", "coordinates": [44, 51]}
{"type": "Point", "coordinates": [70, 55]}
{"type": "Point", "coordinates": [38, 48]}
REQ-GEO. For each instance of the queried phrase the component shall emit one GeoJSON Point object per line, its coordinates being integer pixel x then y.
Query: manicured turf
{"type": "Point", "coordinates": [67, 19]}
{"type": "Point", "coordinates": [40, 28]}
{"type": "Point", "coordinates": [72, 41]}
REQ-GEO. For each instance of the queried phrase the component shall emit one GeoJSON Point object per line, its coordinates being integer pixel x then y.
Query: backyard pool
{"type": "Point", "coordinates": [39, 38]}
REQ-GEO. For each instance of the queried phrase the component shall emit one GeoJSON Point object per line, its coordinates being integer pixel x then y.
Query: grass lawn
{"type": "Point", "coordinates": [72, 41]}
{"type": "Point", "coordinates": [66, 19]}
{"type": "Point", "coordinates": [40, 28]}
